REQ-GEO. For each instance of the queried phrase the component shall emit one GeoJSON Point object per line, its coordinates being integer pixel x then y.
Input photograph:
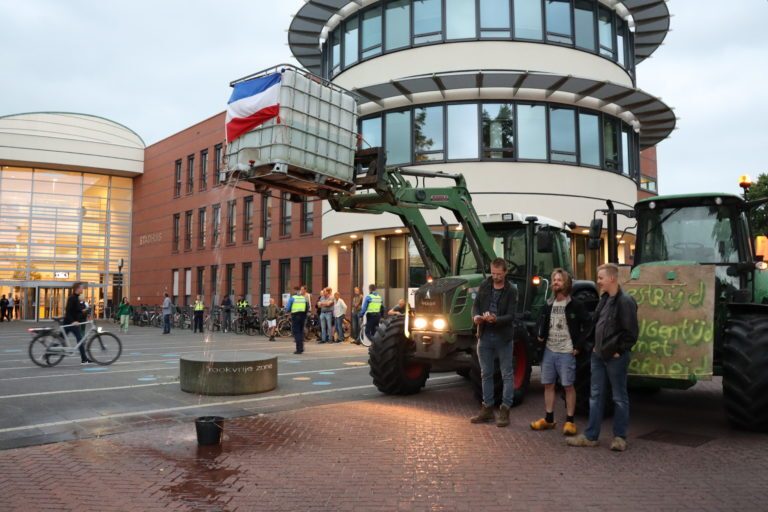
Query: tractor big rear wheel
{"type": "Point", "coordinates": [745, 372]}
{"type": "Point", "coordinates": [522, 376]}
{"type": "Point", "coordinates": [389, 358]}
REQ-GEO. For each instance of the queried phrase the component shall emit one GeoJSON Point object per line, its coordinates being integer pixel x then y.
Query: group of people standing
{"type": "Point", "coordinates": [566, 330]}
{"type": "Point", "coordinates": [9, 307]}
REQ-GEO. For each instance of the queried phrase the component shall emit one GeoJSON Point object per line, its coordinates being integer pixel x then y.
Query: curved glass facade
{"type": "Point", "coordinates": [60, 227]}
{"type": "Point", "coordinates": [394, 25]}
{"type": "Point", "coordinates": [504, 131]}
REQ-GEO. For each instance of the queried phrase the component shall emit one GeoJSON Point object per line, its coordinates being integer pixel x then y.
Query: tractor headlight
{"type": "Point", "coordinates": [439, 324]}
{"type": "Point", "coordinates": [420, 322]}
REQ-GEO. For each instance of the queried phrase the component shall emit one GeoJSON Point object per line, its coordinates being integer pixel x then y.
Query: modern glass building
{"type": "Point", "coordinates": [66, 187]}
{"type": "Point", "coordinates": [534, 101]}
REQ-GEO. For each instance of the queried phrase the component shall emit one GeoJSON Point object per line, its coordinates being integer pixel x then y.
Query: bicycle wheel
{"type": "Point", "coordinates": [284, 327]}
{"type": "Point", "coordinates": [40, 349]}
{"type": "Point", "coordinates": [253, 328]}
{"type": "Point", "coordinates": [104, 348]}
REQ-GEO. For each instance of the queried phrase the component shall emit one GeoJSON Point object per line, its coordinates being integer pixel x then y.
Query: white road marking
{"type": "Point", "coordinates": [200, 406]}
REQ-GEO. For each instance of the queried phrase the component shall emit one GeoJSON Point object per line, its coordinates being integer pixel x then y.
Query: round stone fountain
{"type": "Point", "coordinates": [228, 372]}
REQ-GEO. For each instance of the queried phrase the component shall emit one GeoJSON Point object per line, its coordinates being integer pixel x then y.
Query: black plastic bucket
{"type": "Point", "coordinates": [209, 429]}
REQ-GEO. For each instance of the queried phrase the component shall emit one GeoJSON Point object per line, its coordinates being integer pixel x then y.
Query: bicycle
{"type": "Point", "coordinates": [51, 344]}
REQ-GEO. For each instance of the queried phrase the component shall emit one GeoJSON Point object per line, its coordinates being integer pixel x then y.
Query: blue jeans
{"type": "Point", "coordinates": [355, 318]}
{"type": "Point", "coordinates": [166, 323]}
{"type": "Point", "coordinates": [78, 333]}
{"type": "Point", "coordinates": [326, 324]}
{"type": "Point", "coordinates": [616, 372]}
{"type": "Point", "coordinates": [490, 347]}
{"type": "Point", "coordinates": [338, 325]}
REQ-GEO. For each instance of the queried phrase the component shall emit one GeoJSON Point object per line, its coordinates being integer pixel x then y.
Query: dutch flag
{"type": "Point", "coordinates": [252, 103]}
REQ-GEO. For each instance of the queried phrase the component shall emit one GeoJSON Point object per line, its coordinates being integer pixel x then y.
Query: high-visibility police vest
{"type": "Point", "coordinates": [374, 304]}
{"type": "Point", "coordinates": [199, 306]}
{"type": "Point", "coordinates": [299, 304]}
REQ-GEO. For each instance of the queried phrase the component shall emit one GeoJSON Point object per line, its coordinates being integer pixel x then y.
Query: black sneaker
{"type": "Point", "coordinates": [86, 361]}
{"type": "Point", "coordinates": [297, 352]}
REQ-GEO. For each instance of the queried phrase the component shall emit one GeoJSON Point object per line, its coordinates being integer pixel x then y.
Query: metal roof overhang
{"type": "Point", "coordinates": [656, 119]}
{"type": "Point", "coordinates": [650, 19]}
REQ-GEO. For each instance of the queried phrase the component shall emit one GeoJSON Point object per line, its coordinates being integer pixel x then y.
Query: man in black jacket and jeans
{"type": "Point", "coordinates": [494, 315]}
{"type": "Point", "coordinates": [73, 315]}
{"type": "Point", "coordinates": [615, 332]}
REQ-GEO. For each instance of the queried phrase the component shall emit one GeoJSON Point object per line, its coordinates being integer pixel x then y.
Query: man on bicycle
{"type": "Point", "coordinates": [73, 315]}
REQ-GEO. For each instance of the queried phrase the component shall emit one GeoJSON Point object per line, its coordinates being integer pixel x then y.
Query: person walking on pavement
{"type": "Point", "coordinates": [167, 312]}
{"type": "Point", "coordinates": [3, 308]}
{"type": "Point", "coordinates": [199, 310]}
{"type": "Point", "coordinates": [271, 315]}
{"type": "Point", "coordinates": [339, 312]}
{"type": "Point", "coordinates": [73, 315]}
{"type": "Point", "coordinates": [226, 307]}
{"type": "Point", "coordinates": [11, 307]}
{"type": "Point", "coordinates": [371, 308]}
{"type": "Point", "coordinates": [357, 302]}
{"type": "Point", "coordinates": [615, 332]}
{"type": "Point", "coordinates": [494, 315]}
{"type": "Point", "coordinates": [562, 326]}
{"type": "Point", "coordinates": [124, 312]}
{"type": "Point", "coordinates": [297, 306]}
{"type": "Point", "coordinates": [17, 307]}
{"type": "Point", "coordinates": [326, 316]}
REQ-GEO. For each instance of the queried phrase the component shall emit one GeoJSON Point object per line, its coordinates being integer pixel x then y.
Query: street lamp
{"type": "Point", "coordinates": [745, 182]}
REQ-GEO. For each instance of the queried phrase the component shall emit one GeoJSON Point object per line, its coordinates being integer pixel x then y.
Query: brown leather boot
{"type": "Point", "coordinates": [503, 419]}
{"type": "Point", "coordinates": [485, 415]}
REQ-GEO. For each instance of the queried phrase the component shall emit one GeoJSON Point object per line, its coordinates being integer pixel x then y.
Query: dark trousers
{"type": "Point", "coordinates": [198, 321]}
{"type": "Point", "coordinates": [166, 324]}
{"type": "Point", "coordinates": [78, 332]}
{"type": "Point", "coordinates": [297, 326]}
{"type": "Point", "coordinates": [355, 325]}
{"type": "Point", "coordinates": [371, 324]}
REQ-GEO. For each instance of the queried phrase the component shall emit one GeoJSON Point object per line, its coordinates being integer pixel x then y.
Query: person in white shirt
{"type": "Point", "coordinates": [339, 312]}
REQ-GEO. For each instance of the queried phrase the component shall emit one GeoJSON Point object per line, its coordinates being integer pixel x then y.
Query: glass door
{"type": "Point", "coordinates": [51, 302]}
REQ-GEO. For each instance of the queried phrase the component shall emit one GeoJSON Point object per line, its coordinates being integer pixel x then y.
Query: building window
{"type": "Point", "coordinates": [286, 208]}
{"type": "Point", "coordinates": [428, 133]}
{"type": "Point", "coordinates": [427, 21]}
{"type": "Point", "coordinates": [498, 130]}
{"type": "Point", "coordinates": [528, 19]}
{"type": "Point", "coordinates": [648, 183]}
{"type": "Point", "coordinates": [218, 155]}
{"type": "Point", "coordinates": [214, 282]}
{"type": "Point", "coordinates": [562, 135]}
{"type": "Point", "coordinates": [371, 32]}
{"type": "Point", "coordinates": [325, 270]}
{"type": "Point", "coordinates": [176, 229]}
{"type": "Point", "coordinates": [266, 216]}
{"type": "Point", "coordinates": [398, 137]}
{"type": "Point", "coordinates": [460, 19]}
{"type": "Point", "coordinates": [201, 227]}
{"type": "Point", "coordinates": [187, 286]}
{"type": "Point", "coordinates": [248, 219]}
{"type": "Point", "coordinates": [230, 279]}
{"type": "Point", "coordinates": [204, 169]}
{"type": "Point", "coordinates": [201, 281]}
{"type": "Point", "coordinates": [266, 278]}
{"type": "Point", "coordinates": [188, 230]}
{"type": "Point", "coordinates": [558, 16]}
{"type": "Point", "coordinates": [531, 132]}
{"type": "Point", "coordinates": [285, 277]}
{"type": "Point", "coordinates": [584, 21]}
{"type": "Point", "coordinates": [397, 21]}
{"type": "Point", "coordinates": [190, 174]}
{"type": "Point", "coordinates": [175, 288]}
{"type": "Point", "coordinates": [307, 215]}
{"type": "Point", "coordinates": [626, 164]}
{"type": "Point", "coordinates": [621, 46]}
{"type": "Point", "coordinates": [351, 41]}
{"type": "Point", "coordinates": [371, 131]}
{"type": "Point", "coordinates": [495, 19]}
{"type": "Point", "coordinates": [216, 225]}
{"type": "Point", "coordinates": [177, 182]}
{"type": "Point", "coordinates": [605, 33]}
{"type": "Point", "coordinates": [610, 144]}
{"type": "Point", "coordinates": [306, 273]}
{"type": "Point", "coordinates": [247, 267]}
{"type": "Point", "coordinates": [589, 139]}
{"type": "Point", "coordinates": [231, 221]}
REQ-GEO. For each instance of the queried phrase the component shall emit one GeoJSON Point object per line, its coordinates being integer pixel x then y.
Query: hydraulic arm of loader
{"type": "Point", "coordinates": [392, 193]}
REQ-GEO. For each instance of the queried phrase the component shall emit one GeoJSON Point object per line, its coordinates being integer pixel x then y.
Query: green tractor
{"type": "Point", "coordinates": [703, 299]}
{"type": "Point", "coordinates": [438, 334]}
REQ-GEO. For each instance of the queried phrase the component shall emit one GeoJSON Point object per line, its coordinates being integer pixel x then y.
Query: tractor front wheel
{"type": "Point", "coordinates": [392, 369]}
{"type": "Point", "coordinates": [745, 372]}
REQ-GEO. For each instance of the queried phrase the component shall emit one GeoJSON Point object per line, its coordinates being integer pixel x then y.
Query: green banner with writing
{"type": "Point", "coordinates": [675, 310]}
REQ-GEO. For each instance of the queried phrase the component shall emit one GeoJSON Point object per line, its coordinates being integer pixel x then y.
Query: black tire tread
{"type": "Point", "coordinates": [745, 372]}
{"type": "Point", "coordinates": [388, 356]}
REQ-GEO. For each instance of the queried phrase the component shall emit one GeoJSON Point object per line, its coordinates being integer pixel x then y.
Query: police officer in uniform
{"type": "Point", "coordinates": [372, 306]}
{"type": "Point", "coordinates": [199, 309]}
{"type": "Point", "coordinates": [297, 306]}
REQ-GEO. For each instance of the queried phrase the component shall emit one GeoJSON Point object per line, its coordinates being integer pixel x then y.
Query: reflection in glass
{"type": "Point", "coordinates": [494, 18]}
{"type": "Point", "coordinates": [398, 136]}
{"type": "Point", "coordinates": [589, 139]}
{"type": "Point", "coordinates": [460, 19]}
{"type": "Point", "coordinates": [428, 133]}
{"type": "Point", "coordinates": [371, 131]}
{"type": "Point", "coordinates": [398, 23]}
{"type": "Point", "coordinates": [462, 131]}
{"type": "Point", "coordinates": [559, 21]}
{"type": "Point", "coordinates": [427, 21]}
{"type": "Point", "coordinates": [498, 130]}
{"type": "Point", "coordinates": [562, 133]}
{"type": "Point", "coordinates": [371, 32]}
{"type": "Point", "coordinates": [605, 32]}
{"type": "Point", "coordinates": [350, 42]}
{"type": "Point", "coordinates": [532, 132]}
{"type": "Point", "coordinates": [610, 144]}
{"type": "Point", "coordinates": [625, 165]}
{"type": "Point", "coordinates": [620, 41]}
{"type": "Point", "coordinates": [335, 52]}
{"type": "Point", "coordinates": [584, 19]}
{"type": "Point", "coordinates": [528, 19]}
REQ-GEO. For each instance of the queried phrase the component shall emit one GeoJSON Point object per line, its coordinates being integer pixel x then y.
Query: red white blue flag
{"type": "Point", "coordinates": [252, 103]}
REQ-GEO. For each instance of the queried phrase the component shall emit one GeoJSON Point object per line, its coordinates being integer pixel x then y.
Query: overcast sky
{"type": "Point", "coordinates": [160, 66]}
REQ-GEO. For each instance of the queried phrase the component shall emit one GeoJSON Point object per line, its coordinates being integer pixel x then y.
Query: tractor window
{"type": "Point", "coordinates": [701, 233]}
{"type": "Point", "coordinates": [510, 245]}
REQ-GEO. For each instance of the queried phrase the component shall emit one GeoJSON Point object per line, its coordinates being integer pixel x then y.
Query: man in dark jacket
{"type": "Point", "coordinates": [614, 332]}
{"type": "Point", "coordinates": [562, 326]}
{"type": "Point", "coordinates": [73, 315]}
{"type": "Point", "coordinates": [494, 315]}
